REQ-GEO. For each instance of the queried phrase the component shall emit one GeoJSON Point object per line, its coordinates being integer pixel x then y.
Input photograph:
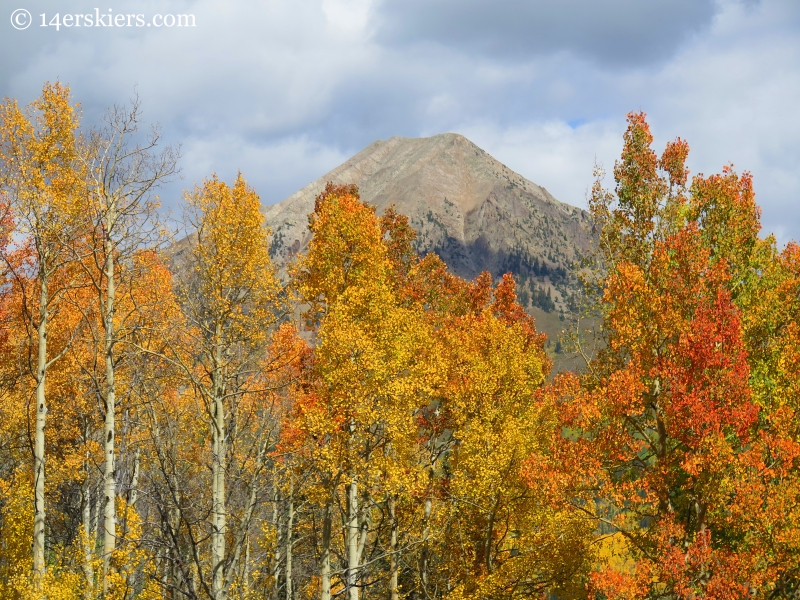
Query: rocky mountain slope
{"type": "Point", "coordinates": [466, 206]}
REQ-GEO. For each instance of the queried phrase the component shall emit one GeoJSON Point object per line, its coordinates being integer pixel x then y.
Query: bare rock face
{"type": "Point", "coordinates": [466, 206]}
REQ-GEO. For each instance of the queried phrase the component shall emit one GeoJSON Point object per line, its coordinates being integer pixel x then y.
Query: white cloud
{"type": "Point", "coordinates": [286, 89]}
{"type": "Point", "coordinates": [276, 169]}
{"type": "Point", "coordinates": [348, 17]}
{"type": "Point", "coordinates": [553, 154]}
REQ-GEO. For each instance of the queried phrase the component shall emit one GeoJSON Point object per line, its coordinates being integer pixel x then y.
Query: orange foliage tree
{"type": "Point", "coordinates": [665, 439]}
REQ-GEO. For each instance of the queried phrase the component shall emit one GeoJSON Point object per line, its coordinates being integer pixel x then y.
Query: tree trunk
{"type": "Point", "coordinates": [218, 518]}
{"type": "Point", "coordinates": [134, 495]}
{"type": "Point", "coordinates": [38, 446]}
{"type": "Point", "coordinates": [394, 558]}
{"type": "Point", "coordinates": [175, 576]}
{"type": "Point", "coordinates": [88, 539]}
{"type": "Point", "coordinates": [276, 522]}
{"type": "Point", "coordinates": [352, 540]}
{"type": "Point", "coordinates": [109, 426]}
{"type": "Point", "coordinates": [246, 570]}
{"type": "Point", "coordinates": [325, 562]}
{"type": "Point", "coordinates": [133, 498]}
{"type": "Point", "coordinates": [487, 547]}
{"type": "Point", "coordinates": [241, 536]}
{"type": "Point", "coordinates": [96, 496]}
{"type": "Point", "coordinates": [425, 533]}
{"type": "Point", "coordinates": [289, 541]}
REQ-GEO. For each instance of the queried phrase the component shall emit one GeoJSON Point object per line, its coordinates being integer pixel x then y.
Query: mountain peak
{"type": "Point", "coordinates": [465, 205]}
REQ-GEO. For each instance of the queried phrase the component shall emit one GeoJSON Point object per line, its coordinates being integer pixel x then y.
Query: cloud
{"type": "Point", "coordinates": [610, 32]}
{"type": "Point", "coordinates": [552, 153]}
{"type": "Point", "coordinates": [284, 163]}
{"type": "Point", "coordinates": [287, 89]}
{"type": "Point", "coordinates": [249, 83]}
{"type": "Point", "coordinates": [731, 93]}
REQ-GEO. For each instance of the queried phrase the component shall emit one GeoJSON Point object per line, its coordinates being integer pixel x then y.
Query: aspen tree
{"type": "Point", "coordinates": [43, 180]}
{"type": "Point", "coordinates": [233, 301]}
{"type": "Point", "coordinates": [373, 368]}
{"type": "Point", "coordinates": [123, 177]}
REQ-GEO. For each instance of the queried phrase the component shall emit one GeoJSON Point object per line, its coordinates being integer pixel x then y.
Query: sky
{"type": "Point", "coordinates": [286, 90]}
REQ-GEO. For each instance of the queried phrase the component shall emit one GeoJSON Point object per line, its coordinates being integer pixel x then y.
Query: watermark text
{"type": "Point", "coordinates": [22, 19]}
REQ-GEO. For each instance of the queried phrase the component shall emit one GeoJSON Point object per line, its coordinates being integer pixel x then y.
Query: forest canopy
{"type": "Point", "coordinates": [180, 419]}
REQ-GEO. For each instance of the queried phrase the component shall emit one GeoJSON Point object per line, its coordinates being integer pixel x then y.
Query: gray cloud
{"type": "Point", "coordinates": [612, 32]}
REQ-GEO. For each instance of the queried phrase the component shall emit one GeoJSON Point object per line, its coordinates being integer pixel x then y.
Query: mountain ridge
{"type": "Point", "coordinates": [465, 205]}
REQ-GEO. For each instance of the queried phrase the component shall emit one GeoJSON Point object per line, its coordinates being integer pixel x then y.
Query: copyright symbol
{"type": "Point", "coordinates": [21, 19]}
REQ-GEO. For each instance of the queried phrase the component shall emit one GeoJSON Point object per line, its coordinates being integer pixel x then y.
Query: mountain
{"type": "Point", "coordinates": [465, 205]}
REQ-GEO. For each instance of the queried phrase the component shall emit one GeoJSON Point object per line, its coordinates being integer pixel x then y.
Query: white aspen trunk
{"type": "Point", "coordinates": [352, 540]}
{"type": "Point", "coordinates": [95, 516]}
{"type": "Point", "coordinates": [276, 522]}
{"type": "Point", "coordinates": [366, 521]}
{"type": "Point", "coordinates": [134, 497]}
{"type": "Point", "coordinates": [394, 559]}
{"type": "Point", "coordinates": [174, 572]}
{"type": "Point", "coordinates": [38, 445]}
{"type": "Point", "coordinates": [325, 562]}
{"type": "Point", "coordinates": [109, 426]}
{"type": "Point", "coordinates": [246, 570]}
{"type": "Point", "coordinates": [288, 551]}
{"type": "Point", "coordinates": [86, 514]}
{"type": "Point", "coordinates": [425, 533]}
{"type": "Point", "coordinates": [243, 533]}
{"type": "Point", "coordinates": [219, 521]}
